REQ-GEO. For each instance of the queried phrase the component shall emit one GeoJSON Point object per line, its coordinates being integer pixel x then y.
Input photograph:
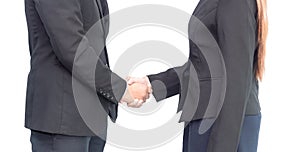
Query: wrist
{"type": "Point", "coordinates": [127, 96]}
{"type": "Point", "coordinates": [148, 84]}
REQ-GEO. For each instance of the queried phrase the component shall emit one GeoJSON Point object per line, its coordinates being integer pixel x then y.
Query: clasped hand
{"type": "Point", "coordinates": [137, 92]}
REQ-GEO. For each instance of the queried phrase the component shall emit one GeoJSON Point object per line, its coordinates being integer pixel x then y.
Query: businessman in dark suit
{"type": "Point", "coordinates": [63, 57]}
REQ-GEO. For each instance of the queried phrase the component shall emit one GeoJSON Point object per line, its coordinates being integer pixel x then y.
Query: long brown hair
{"type": "Point", "coordinates": [262, 22]}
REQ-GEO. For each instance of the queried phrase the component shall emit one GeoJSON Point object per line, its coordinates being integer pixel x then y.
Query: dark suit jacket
{"type": "Point", "coordinates": [60, 50]}
{"type": "Point", "coordinates": [233, 25]}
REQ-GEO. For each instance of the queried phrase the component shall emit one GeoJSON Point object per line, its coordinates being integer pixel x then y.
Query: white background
{"type": "Point", "coordinates": [279, 92]}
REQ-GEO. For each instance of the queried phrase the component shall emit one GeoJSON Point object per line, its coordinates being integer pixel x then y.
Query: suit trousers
{"type": "Point", "coordinates": [194, 142]}
{"type": "Point", "coordinates": [47, 142]}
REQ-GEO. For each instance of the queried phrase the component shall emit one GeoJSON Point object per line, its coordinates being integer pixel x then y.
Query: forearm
{"type": "Point", "coordinates": [166, 84]}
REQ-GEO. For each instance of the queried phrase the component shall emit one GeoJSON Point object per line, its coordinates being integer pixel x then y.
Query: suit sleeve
{"type": "Point", "coordinates": [166, 84]}
{"type": "Point", "coordinates": [236, 28]}
{"type": "Point", "coordinates": [62, 20]}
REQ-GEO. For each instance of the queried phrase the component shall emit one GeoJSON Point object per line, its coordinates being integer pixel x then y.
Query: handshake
{"type": "Point", "coordinates": [137, 92]}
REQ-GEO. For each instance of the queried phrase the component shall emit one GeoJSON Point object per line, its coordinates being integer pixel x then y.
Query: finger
{"type": "Point", "coordinates": [141, 102]}
{"type": "Point", "coordinates": [124, 101]}
{"type": "Point", "coordinates": [147, 96]}
{"type": "Point", "coordinates": [133, 80]}
{"type": "Point", "coordinates": [130, 104]}
{"type": "Point", "coordinates": [139, 80]}
{"type": "Point", "coordinates": [133, 104]}
{"type": "Point", "coordinates": [130, 81]}
{"type": "Point", "coordinates": [150, 91]}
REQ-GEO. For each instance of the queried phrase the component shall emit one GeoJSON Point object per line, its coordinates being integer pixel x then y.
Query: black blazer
{"type": "Point", "coordinates": [56, 28]}
{"type": "Point", "coordinates": [233, 25]}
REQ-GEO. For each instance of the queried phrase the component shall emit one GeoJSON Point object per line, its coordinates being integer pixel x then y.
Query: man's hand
{"type": "Point", "coordinates": [138, 91]}
{"type": "Point", "coordinates": [142, 80]}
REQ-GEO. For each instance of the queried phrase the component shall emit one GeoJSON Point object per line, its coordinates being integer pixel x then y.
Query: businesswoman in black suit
{"type": "Point", "coordinates": [240, 29]}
